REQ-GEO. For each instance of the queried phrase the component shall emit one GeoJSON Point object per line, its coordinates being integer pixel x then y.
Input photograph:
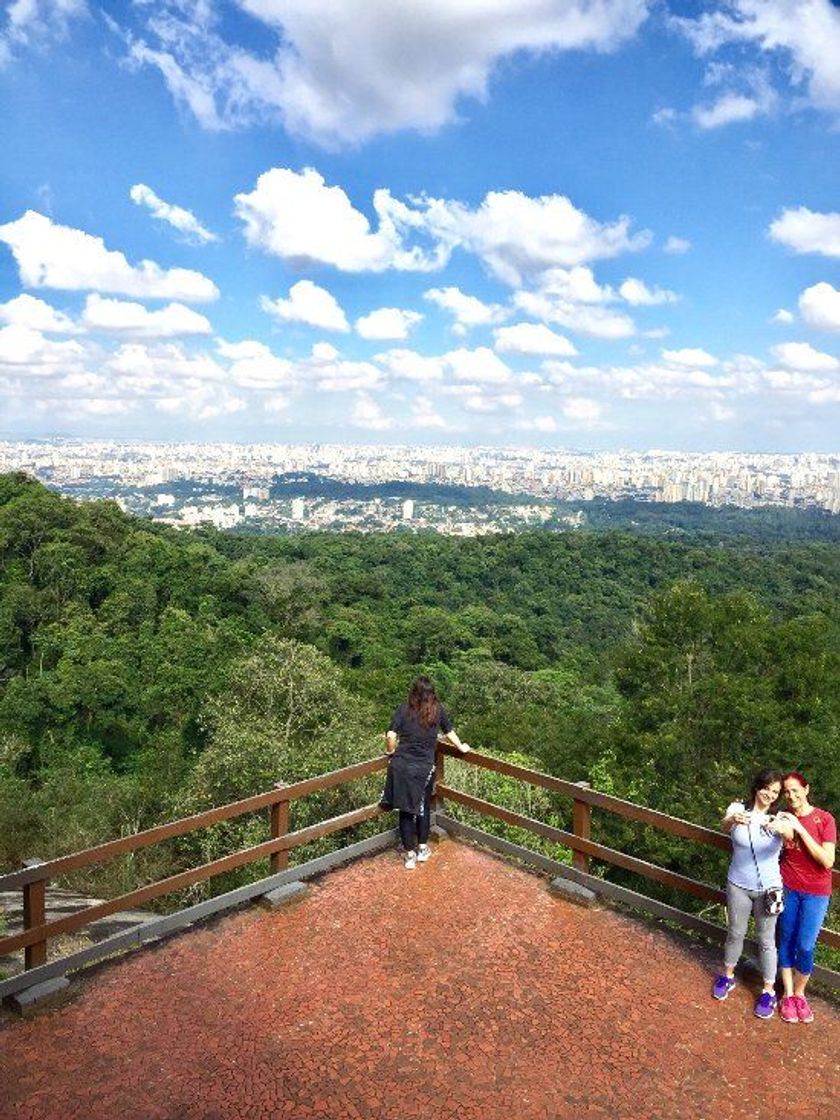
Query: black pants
{"type": "Point", "coordinates": [417, 824]}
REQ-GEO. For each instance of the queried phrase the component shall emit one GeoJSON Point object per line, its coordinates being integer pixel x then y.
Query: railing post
{"type": "Point", "coordinates": [34, 914]}
{"type": "Point", "coordinates": [279, 861]}
{"type": "Point", "coordinates": [581, 826]}
{"type": "Point", "coordinates": [440, 777]}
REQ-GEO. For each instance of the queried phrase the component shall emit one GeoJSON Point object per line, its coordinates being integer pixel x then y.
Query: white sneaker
{"type": "Point", "coordinates": [423, 853]}
{"type": "Point", "coordinates": [410, 861]}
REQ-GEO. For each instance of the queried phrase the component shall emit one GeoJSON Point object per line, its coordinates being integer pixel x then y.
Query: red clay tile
{"type": "Point", "coordinates": [460, 990]}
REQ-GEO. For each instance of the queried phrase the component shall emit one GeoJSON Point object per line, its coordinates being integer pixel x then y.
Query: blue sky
{"type": "Point", "coordinates": [563, 223]}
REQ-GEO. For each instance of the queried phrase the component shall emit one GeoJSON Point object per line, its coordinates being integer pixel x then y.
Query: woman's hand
{"type": "Point", "coordinates": [741, 817]}
{"type": "Point", "coordinates": [464, 747]}
{"type": "Point", "coordinates": [791, 821]}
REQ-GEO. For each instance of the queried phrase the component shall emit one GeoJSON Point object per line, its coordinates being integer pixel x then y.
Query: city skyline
{"type": "Point", "coordinates": [555, 224]}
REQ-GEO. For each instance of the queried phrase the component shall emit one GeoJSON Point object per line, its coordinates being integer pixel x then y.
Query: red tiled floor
{"type": "Point", "coordinates": [462, 990]}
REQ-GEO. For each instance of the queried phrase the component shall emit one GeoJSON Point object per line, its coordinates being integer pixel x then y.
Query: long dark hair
{"type": "Point", "coordinates": [762, 780]}
{"type": "Point", "coordinates": [423, 702]}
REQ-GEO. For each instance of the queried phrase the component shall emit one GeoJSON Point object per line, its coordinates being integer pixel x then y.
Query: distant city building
{"type": "Point", "coordinates": [298, 509]}
{"type": "Point", "coordinates": [408, 510]}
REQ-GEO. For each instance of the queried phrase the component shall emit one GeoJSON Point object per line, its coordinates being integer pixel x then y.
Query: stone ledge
{"type": "Point", "coordinates": [282, 896]}
{"type": "Point", "coordinates": [38, 996]}
{"type": "Point", "coordinates": [571, 891]}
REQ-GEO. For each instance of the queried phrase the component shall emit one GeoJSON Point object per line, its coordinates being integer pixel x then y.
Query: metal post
{"type": "Point", "coordinates": [581, 826]}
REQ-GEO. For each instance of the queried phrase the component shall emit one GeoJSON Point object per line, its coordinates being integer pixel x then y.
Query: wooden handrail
{"type": "Point", "coordinates": [51, 869]}
{"type": "Point", "coordinates": [33, 879]}
{"type": "Point", "coordinates": [578, 843]}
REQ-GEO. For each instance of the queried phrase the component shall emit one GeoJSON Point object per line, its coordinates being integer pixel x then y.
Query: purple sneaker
{"type": "Point", "coordinates": [723, 986]}
{"type": "Point", "coordinates": [765, 1006]}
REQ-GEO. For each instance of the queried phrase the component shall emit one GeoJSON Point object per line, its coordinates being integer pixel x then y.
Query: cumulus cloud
{"type": "Point", "coordinates": [308, 303]}
{"type": "Point", "coordinates": [29, 311]}
{"type": "Point", "coordinates": [254, 366]}
{"type": "Point", "coordinates": [730, 108]}
{"type": "Point", "coordinates": [806, 231]}
{"type": "Point", "coordinates": [481, 366]}
{"type": "Point", "coordinates": [467, 310]}
{"type": "Point", "coordinates": [387, 323]}
{"type": "Point", "coordinates": [27, 351]}
{"type": "Point", "coordinates": [305, 222]}
{"type": "Point", "coordinates": [532, 338]}
{"type": "Point", "coordinates": [677, 245]}
{"type": "Point", "coordinates": [342, 73]}
{"type": "Point", "coordinates": [582, 410]}
{"type": "Point", "coordinates": [408, 365]}
{"type": "Point", "coordinates": [120, 317]}
{"type": "Point", "coordinates": [520, 239]}
{"type": "Point", "coordinates": [803, 34]}
{"type": "Point", "coordinates": [331, 373]}
{"type": "Point", "coordinates": [588, 320]}
{"type": "Point", "coordinates": [49, 255]}
{"type": "Point", "coordinates": [691, 357]}
{"type": "Point", "coordinates": [819, 306]}
{"type": "Point", "coordinates": [177, 217]}
{"type": "Point", "coordinates": [638, 294]}
{"type": "Point", "coordinates": [801, 356]}
{"type": "Point", "coordinates": [367, 413]}
{"type": "Point", "coordinates": [425, 414]}
{"type": "Point", "coordinates": [783, 317]}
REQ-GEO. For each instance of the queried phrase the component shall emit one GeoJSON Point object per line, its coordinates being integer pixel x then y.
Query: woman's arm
{"type": "Point", "coordinates": [452, 737]}
{"type": "Point", "coordinates": [823, 854]}
{"type": "Point", "coordinates": [390, 742]}
{"type": "Point", "coordinates": [735, 814]}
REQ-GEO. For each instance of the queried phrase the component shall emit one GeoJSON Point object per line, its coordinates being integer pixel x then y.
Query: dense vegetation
{"type": "Point", "coordinates": [146, 673]}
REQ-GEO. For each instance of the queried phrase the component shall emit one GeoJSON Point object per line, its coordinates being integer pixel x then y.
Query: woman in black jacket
{"type": "Point", "coordinates": [411, 741]}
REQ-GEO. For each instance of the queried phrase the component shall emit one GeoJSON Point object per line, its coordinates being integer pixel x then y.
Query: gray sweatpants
{"type": "Point", "coordinates": [739, 904]}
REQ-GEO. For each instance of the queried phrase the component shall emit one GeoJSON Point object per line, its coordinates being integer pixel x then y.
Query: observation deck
{"type": "Point", "coordinates": [463, 990]}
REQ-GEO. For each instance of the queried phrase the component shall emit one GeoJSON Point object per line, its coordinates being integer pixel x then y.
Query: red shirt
{"type": "Point", "coordinates": [800, 871]}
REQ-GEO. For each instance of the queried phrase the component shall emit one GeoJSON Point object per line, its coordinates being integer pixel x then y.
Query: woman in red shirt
{"type": "Point", "coordinates": [807, 860]}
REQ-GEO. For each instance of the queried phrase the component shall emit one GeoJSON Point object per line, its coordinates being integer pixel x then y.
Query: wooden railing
{"type": "Point", "coordinates": [578, 840]}
{"type": "Point", "coordinates": [33, 879]}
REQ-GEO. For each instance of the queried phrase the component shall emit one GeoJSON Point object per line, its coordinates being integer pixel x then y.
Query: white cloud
{"type": "Point", "coordinates": [582, 410]}
{"type": "Point", "coordinates": [308, 303]}
{"type": "Point", "coordinates": [575, 285]}
{"type": "Point", "coordinates": [519, 239]}
{"type": "Point", "coordinates": [819, 306]}
{"type": "Point", "coordinates": [805, 34]}
{"type": "Point", "coordinates": [532, 338]}
{"type": "Point", "coordinates": [387, 323]}
{"type": "Point", "coordinates": [305, 222]}
{"type": "Point", "coordinates": [730, 108]}
{"type": "Point", "coordinates": [544, 424]}
{"type": "Point", "coordinates": [54, 256]}
{"type": "Point", "coordinates": [33, 22]}
{"type": "Point", "coordinates": [424, 414]}
{"type": "Point", "coordinates": [333, 374]}
{"type": "Point", "coordinates": [806, 231]}
{"type": "Point", "coordinates": [28, 352]}
{"type": "Point", "coordinates": [468, 310]}
{"type": "Point", "coordinates": [592, 321]}
{"type": "Point", "coordinates": [182, 220]}
{"type": "Point", "coordinates": [677, 245]}
{"type": "Point", "coordinates": [783, 316]}
{"type": "Point", "coordinates": [480, 365]}
{"type": "Point", "coordinates": [803, 357]}
{"type": "Point", "coordinates": [254, 366]}
{"type": "Point", "coordinates": [481, 400]}
{"type": "Point", "coordinates": [201, 402]}
{"type": "Point", "coordinates": [721, 412]}
{"type": "Point", "coordinates": [367, 413]}
{"type": "Point", "coordinates": [690, 358]}
{"type": "Point", "coordinates": [638, 294]}
{"type": "Point", "coordinates": [28, 311]}
{"type": "Point", "coordinates": [522, 239]}
{"type": "Point", "coordinates": [342, 73]}
{"type": "Point", "coordinates": [411, 366]}
{"type": "Point", "coordinates": [121, 317]}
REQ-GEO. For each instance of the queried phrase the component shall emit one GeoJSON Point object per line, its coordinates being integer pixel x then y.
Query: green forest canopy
{"type": "Point", "coordinates": [147, 672]}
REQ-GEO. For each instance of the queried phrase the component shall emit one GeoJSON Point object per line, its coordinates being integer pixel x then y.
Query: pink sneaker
{"type": "Point", "coordinates": [803, 1010]}
{"type": "Point", "coordinates": [788, 1010]}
